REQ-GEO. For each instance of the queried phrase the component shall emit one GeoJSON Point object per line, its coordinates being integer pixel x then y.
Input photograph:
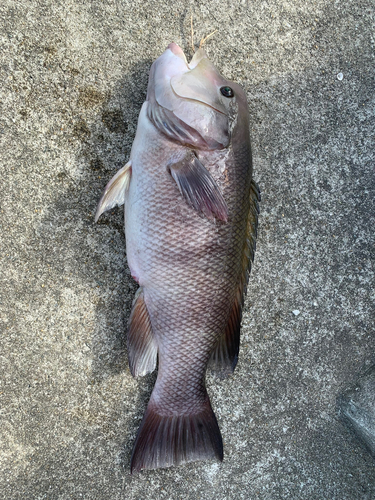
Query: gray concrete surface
{"type": "Point", "coordinates": [73, 78]}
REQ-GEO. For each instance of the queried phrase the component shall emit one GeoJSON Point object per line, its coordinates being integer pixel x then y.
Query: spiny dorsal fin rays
{"type": "Point", "coordinates": [114, 192]}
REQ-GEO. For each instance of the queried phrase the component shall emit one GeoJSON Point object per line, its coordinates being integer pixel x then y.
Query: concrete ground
{"type": "Point", "coordinates": [73, 78]}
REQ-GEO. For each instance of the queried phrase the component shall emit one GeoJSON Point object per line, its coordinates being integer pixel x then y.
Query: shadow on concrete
{"type": "Point", "coordinates": [98, 251]}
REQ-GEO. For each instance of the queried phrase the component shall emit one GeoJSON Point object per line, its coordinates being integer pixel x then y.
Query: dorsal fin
{"type": "Point", "coordinates": [225, 355]}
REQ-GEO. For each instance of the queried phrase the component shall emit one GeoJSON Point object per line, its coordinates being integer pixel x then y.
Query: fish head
{"type": "Point", "coordinates": [192, 103]}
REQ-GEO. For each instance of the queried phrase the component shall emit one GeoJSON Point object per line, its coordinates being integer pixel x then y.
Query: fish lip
{"type": "Point", "coordinates": [177, 51]}
{"type": "Point", "coordinates": [196, 59]}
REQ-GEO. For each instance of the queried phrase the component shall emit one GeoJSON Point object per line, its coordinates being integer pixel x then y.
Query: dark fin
{"type": "Point", "coordinates": [166, 440]}
{"type": "Point", "coordinates": [225, 355]}
{"type": "Point", "coordinates": [142, 348]}
{"type": "Point", "coordinates": [114, 192]}
{"type": "Point", "coordinates": [199, 188]}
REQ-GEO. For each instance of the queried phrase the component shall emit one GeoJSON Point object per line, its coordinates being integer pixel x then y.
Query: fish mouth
{"type": "Point", "coordinates": [177, 51]}
{"type": "Point", "coordinates": [196, 59]}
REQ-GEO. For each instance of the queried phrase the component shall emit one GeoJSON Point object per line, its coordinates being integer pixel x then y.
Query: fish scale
{"type": "Point", "coordinates": [190, 223]}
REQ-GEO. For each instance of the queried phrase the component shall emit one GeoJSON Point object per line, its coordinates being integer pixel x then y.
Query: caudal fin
{"type": "Point", "coordinates": [166, 440]}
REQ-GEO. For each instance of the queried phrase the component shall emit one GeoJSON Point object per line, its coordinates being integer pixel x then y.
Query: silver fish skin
{"type": "Point", "coordinates": [191, 214]}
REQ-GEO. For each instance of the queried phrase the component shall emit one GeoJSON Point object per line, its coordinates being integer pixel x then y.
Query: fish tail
{"type": "Point", "coordinates": [165, 439]}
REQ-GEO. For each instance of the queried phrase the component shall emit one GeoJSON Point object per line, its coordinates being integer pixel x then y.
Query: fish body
{"type": "Point", "coordinates": [191, 211]}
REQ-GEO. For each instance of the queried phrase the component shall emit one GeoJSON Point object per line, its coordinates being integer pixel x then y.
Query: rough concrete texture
{"type": "Point", "coordinates": [73, 78]}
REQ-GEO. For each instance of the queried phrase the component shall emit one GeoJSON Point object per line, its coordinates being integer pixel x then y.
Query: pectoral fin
{"type": "Point", "coordinates": [114, 192]}
{"type": "Point", "coordinates": [199, 188]}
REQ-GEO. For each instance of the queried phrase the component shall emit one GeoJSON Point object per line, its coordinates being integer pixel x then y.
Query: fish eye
{"type": "Point", "coordinates": [227, 92]}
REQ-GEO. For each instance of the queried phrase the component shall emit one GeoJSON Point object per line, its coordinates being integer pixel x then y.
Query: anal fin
{"type": "Point", "coordinates": [142, 348]}
{"type": "Point", "coordinates": [225, 354]}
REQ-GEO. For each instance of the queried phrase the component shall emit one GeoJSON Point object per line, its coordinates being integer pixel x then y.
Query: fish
{"type": "Point", "coordinates": [191, 215]}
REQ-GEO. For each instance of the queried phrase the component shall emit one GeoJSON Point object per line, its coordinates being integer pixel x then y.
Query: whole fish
{"type": "Point", "coordinates": [191, 214]}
